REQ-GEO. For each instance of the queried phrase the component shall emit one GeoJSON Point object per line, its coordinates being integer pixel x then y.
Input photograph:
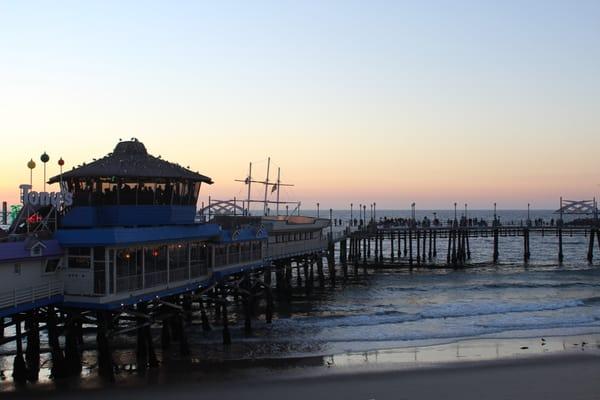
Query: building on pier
{"type": "Point", "coordinates": [123, 231]}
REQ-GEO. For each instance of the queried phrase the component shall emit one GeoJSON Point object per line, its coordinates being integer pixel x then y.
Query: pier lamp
{"type": "Point", "coordinates": [44, 158]}
{"type": "Point", "coordinates": [351, 214]}
{"type": "Point", "coordinates": [61, 162]}
{"type": "Point", "coordinates": [31, 166]}
{"type": "Point", "coordinates": [455, 211]}
{"type": "Point", "coordinates": [365, 213]}
{"type": "Point", "coordinates": [318, 205]}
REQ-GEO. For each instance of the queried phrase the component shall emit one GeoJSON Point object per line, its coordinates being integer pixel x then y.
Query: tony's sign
{"type": "Point", "coordinates": [54, 199]}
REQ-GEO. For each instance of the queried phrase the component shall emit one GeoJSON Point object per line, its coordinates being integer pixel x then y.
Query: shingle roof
{"type": "Point", "coordinates": [131, 160]}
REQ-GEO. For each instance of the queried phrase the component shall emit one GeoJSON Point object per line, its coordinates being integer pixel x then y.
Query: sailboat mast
{"type": "Point", "coordinates": [249, 186]}
{"type": "Point", "coordinates": [278, 186]}
{"type": "Point", "coordinates": [267, 184]}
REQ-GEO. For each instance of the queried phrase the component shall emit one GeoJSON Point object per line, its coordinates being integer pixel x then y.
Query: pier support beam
{"type": "Point", "coordinates": [19, 373]}
{"type": "Point", "coordinates": [590, 255]}
{"type": "Point", "coordinates": [32, 355]}
{"type": "Point", "coordinates": [560, 246]}
{"type": "Point", "coordinates": [496, 253]}
{"type": "Point", "coordinates": [105, 363]}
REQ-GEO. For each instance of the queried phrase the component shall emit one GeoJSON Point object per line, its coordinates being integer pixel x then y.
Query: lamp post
{"type": "Point", "coordinates": [455, 215]}
{"type": "Point", "coordinates": [495, 215]}
{"type": "Point", "coordinates": [44, 158]}
{"type": "Point", "coordinates": [61, 162]}
{"type": "Point", "coordinates": [31, 166]}
{"type": "Point", "coordinates": [375, 211]}
{"type": "Point", "coordinates": [318, 214]}
{"type": "Point", "coordinates": [365, 213]}
{"type": "Point", "coordinates": [351, 214]}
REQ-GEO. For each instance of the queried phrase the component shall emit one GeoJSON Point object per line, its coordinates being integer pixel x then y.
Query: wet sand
{"type": "Point", "coordinates": [563, 376]}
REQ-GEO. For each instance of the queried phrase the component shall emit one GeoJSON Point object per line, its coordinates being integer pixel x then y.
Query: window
{"type": "Point", "coordinates": [51, 265]}
{"type": "Point", "coordinates": [79, 257]}
{"type": "Point", "coordinates": [18, 268]}
{"type": "Point", "coordinates": [36, 251]}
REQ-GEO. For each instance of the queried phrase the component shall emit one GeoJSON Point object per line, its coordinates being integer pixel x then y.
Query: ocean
{"type": "Point", "coordinates": [379, 309]}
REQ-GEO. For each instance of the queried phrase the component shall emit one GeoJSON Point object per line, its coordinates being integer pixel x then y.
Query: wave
{"type": "Point", "coordinates": [489, 308]}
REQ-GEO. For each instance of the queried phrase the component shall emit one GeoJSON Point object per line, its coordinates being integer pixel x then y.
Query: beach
{"type": "Point", "coordinates": [564, 376]}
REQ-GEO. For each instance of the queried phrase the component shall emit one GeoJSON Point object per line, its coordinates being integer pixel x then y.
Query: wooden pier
{"type": "Point", "coordinates": [418, 246]}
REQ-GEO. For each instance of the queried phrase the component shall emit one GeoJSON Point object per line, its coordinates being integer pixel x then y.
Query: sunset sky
{"type": "Point", "coordinates": [356, 101]}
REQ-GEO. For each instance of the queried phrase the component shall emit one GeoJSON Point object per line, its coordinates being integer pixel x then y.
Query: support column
{"type": "Point", "coordinates": [105, 364]}
{"type": "Point", "coordinates": [496, 253]}
{"type": "Point", "coordinates": [410, 253]}
{"type": "Point", "coordinates": [590, 255]}
{"type": "Point", "coordinates": [32, 355]}
{"type": "Point", "coordinates": [19, 373]}
{"type": "Point", "coordinates": [560, 246]}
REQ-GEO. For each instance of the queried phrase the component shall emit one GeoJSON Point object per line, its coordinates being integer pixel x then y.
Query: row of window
{"type": "Point", "coordinates": [296, 236]}
{"type": "Point", "coordinates": [50, 266]}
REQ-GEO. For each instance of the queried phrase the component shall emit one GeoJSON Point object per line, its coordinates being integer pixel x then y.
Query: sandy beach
{"type": "Point", "coordinates": [567, 376]}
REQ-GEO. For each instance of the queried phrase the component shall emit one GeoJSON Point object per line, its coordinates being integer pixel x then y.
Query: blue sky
{"type": "Point", "coordinates": [400, 101]}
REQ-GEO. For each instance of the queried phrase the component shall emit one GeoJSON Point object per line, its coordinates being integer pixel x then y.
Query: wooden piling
{"type": "Point", "coordinates": [560, 246]}
{"type": "Point", "coordinates": [392, 255]}
{"type": "Point", "coordinates": [32, 355]}
{"type": "Point", "coordinates": [590, 255]}
{"type": "Point", "coordinates": [19, 373]}
{"type": "Point", "coordinates": [418, 239]}
{"type": "Point", "coordinates": [410, 247]}
{"type": "Point", "coordinates": [105, 363]}
{"type": "Point", "coordinates": [496, 238]}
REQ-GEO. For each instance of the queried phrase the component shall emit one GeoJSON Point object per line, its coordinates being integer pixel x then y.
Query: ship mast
{"type": "Point", "coordinates": [275, 186]}
{"type": "Point", "coordinates": [267, 185]}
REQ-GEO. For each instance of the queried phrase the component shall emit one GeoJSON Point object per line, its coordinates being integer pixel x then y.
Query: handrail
{"type": "Point", "coordinates": [31, 294]}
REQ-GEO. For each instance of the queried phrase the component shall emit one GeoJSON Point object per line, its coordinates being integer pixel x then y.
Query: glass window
{"type": "Point", "coordinates": [79, 257]}
{"type": "Point", "coordinates": [52, 265]}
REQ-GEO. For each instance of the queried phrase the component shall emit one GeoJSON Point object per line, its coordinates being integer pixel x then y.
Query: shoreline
{"type": "Point", "coordinates": [555, 376]}
{"type": "Point", "coordinates": [471, 353]}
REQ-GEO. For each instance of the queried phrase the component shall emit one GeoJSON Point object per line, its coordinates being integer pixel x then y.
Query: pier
{"type": "Point", "coordinates": [119, 252]}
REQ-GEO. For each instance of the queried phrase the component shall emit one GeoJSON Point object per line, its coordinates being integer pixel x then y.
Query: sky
{"type": "Point", "coordinates": [390, 102]}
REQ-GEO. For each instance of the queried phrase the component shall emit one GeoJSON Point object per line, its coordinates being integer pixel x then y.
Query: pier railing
{"type": "Point", "coordinates": [17, 297]}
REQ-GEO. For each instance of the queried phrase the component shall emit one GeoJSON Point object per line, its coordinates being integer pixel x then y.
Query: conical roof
{"type": "Point", "coordinates": [131, 160]}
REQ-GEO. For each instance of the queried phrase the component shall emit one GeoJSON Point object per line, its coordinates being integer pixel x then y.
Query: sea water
{"type": "Point", "coordinates": [377, 309]}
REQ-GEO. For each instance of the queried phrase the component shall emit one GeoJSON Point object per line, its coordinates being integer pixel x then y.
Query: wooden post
{"type": "Point", "coordinates": [423, 257]}
{"type": "Point", "coordinates": [32, 355]}
{"type": "Point", "coordinates": [19, 373]}
{"type": "Point", "coordinates": [454, 254]}
{"type": "Point", "coordinates": [226, 334]}
{"type": "Point", "coordinates": [410, 247]}
{"type": "Point", "coordinates": [58, 364]}
{"type": "Point", "coordinates": [399, 246]}
{"type": "Point", "coordinates": [430, 252]}
{"type": "Point", "coordinates": [418, 240]}
{"type": "Point", "coordinates": [435, 244]}
{"type": "Point", "coordinates": [105, 363]}
{"type": "Point", "coordinates": [72, 351]}
{"type": "Point", "coordinates": [392, 246]}
{"type": "Point", "coordinates": [376, 246]}
{"type": "Point", "coordinates": [590, 255]}
{"type": "Point", "coordinates": [405, 246]}
{"type": "Point", "coordinates": [381, 238]}
{"type": "Point", "coordinates": [496, 255]}
{"type": "Point", "coordinates": [448, 257]}
{"type": "Point", "coordinates": [560, 246]}
{"type": "Point", "coordinates": [527, 253]}
{"type": "Point", "coordinates": [468, 244]}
